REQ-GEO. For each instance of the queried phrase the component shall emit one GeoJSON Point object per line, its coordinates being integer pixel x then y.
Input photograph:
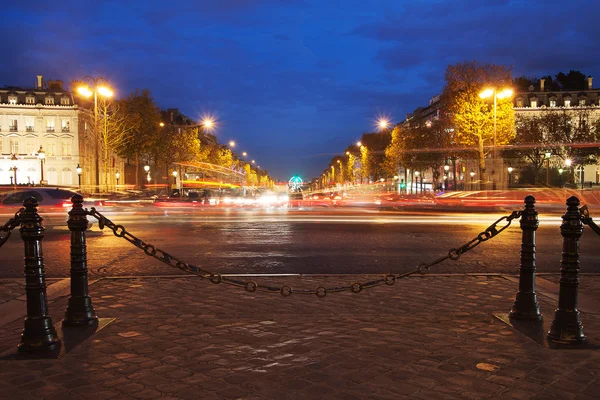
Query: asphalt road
{"type": "Point", "coordinates": [310, 242]}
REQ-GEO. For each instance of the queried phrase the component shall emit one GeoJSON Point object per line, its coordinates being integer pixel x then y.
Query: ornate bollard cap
{"type": "Point", "coordinates": [30, 202]}
{"type": "Point", "coordinates": [573, 202]}
{"type": "Point", "coordinates": [529, 217]}
{"type": "Point", "coordinates": [77, 199]}
{"type": "Point", "coordinates": [529, 200]}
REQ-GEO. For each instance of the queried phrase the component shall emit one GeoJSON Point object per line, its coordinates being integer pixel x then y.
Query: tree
{"type": "Point", "coordinates": [531, 142]}
{"type": "Point", "coordinates": [566, 134]}
{"type": "Point", "coordinates": [574, 135]}
{"type": "Point", "coordinates": [473, 117]}
{"type": "Point", "coordinates": [574, 80]}
{"type": "Point", "coordinates": [365, 164]}
{"type": "Point", "coordinates": [112, 132]}
{"type": "Point", "coordinates": [143, 120]}
{"type": "Point", "coordinates": [351, 168]}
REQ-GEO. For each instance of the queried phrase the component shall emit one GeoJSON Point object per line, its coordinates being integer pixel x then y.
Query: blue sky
{"type": "Point", "coordinates": [292, 82]}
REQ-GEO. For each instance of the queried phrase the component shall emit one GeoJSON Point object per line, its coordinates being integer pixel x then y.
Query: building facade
{"type": "Point", "coordinates": [539, 99]}
{"type": "Point", "coordinates": [43, 117]}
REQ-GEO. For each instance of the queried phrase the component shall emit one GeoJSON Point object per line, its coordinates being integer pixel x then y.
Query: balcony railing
{"type": "Point", "coordinates": [65, 129]}
{"type": "Point", "coordinates": [29, 129]}
{"type": "Point", "coordinates": [12, 128]}
{"type": "Point", "coordinates": [49, 129]}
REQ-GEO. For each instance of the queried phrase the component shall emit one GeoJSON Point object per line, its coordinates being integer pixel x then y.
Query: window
{"type": "Point", "coordinates": [533, 103]}
{"type": "Point", "coordinates": [12, 125]}
{"type": "Point", "coordinates": [29, 121]}
{"type": "Point", "coordinates": [66, 147]}
{"type": "Point", "coordinates": [14, 146]}
{"type": "Point", "coordinates": [64, 101]}
{"type": "Point", "coordinates": [30, 100]}
{"type": "Point", "coordinates": [582, 102]}
{"type": "Point", "coordinates": [65, 125]}
{"type": "Point", "coordinates": [520, 103]}
{"type": "Point", "coordinates": [50, 100]}
{"type": "Point", "coordinates": [50, 125]}
{"type": "Point", "coordinates": [552, 103]}
{"type": "Point", "coordinates": [30, 147]}
{"type": "Point", "coordinates": [567, 102]}
{"type": "Point", "coordinates": [51, 150]}
{"type": "Point", "coordinates": [12, 99]}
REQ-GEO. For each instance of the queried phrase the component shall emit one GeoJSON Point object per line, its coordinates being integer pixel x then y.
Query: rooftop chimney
{"type": "Point", "coordinates": [589, 83]}
{"type": "Point", "coordinates": [39, 82]}
{"type": "Point", "coordinates": [542, 84]}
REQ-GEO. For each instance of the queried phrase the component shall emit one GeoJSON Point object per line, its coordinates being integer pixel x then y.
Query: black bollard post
{"type": "Point", "coordinates": [526, 306]}
{"type": "Point", "coordinates": [39, 333]}
{"type": "Point", "coordinates": [566, 326]}
{"type": "Point", "coordinates": [79, 309]}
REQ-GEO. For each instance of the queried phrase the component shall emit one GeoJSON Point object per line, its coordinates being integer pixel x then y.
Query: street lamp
{"type": "Point", "coordinates": [510, 170]}
{"type": "Point", "coordinates": [547, 157]}
{"type": "Point", "coordinates": [472, 174]}
{"type": "Point", "coordinates": [117, 175]}
{"type": "Point", "coordinates": [13, 169]}
{"type": "Point", "coordinates": [41, 154]}
{"type": "Point", "coordinates": [95, 86]}
{"type": "Point", "coordinates": [244, 154]}
{"type": "Point", "coordinates": [146, 168]}
{"type": "Point", "coordinates": [175, 178]}
{"type": "Point", "coordinates": [446, 169]}
{"type": "Point", "coordinates": [79, 171]}
{"type": "Point", "coordinates": [359, 144]}
{"type": "Point", "coordinates": [231, 143]}
{"type": "Point", "coordinates": [497, 95]}
{"type": "Point", "coordinates": [383, 124]}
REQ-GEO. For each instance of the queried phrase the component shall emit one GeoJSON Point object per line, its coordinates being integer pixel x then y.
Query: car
{"type": "Point", "coordinates": [53, 203]}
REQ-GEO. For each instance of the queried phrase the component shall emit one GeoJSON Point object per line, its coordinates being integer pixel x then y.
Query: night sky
{"type": "Point", "coordinates": [292, 82]}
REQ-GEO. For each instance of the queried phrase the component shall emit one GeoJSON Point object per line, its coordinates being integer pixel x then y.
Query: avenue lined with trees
{"type": "Point", "coordinates": [134, 129]}
{"type": "Point", "coordinates": [474, 119]}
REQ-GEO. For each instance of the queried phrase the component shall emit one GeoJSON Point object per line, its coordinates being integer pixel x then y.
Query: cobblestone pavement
{"type": "Point", "coordinates": [431, 337]}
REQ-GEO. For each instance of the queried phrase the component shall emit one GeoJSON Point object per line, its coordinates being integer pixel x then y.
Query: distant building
{"type": "Point", "coordinates": [538, 98]}
{"type": "Point", "coordinates": [174, 117]}
{"type": "Point", "coordinates": [44, 116]}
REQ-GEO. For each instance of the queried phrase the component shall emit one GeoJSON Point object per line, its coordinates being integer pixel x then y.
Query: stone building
{"type": "Point", "coordinates": [49, 117]}
{"type": "Point", "coordinates": [42, 117]}
{"type": "Point", "coordinates": [539, 99]}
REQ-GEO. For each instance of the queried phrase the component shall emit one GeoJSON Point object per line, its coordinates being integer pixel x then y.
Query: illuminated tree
{"type": "Point", "coordinates": [473, 117]}
{"type": "Point", "coordinates": [365, 164]}
{"type": "Point", "coordinates": [351, 170]}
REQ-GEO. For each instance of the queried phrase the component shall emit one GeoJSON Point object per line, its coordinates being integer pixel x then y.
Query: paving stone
{"type": "Point", "coordinates": [440, 342]}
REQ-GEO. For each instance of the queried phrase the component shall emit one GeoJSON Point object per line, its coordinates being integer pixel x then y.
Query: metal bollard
{"type": "Point", "coordinates": [566, 326]}
{"type": "Point", "coordinates": [526, 305]}
{"type": "Point", "coordinates": [79, 309]}
{"type": "Point", "coordinates": [39, 333]}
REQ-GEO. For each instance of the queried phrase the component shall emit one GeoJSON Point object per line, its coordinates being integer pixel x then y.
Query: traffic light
{"type": "Point", "coordinates": [402, 184]}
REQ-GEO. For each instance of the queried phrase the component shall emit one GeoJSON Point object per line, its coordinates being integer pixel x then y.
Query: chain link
{"type": "Point", "coordinates": [286, 290]}
{"type": "Point", "coordinates": [10, 225]}
{"type": "Point", "coordinates": [586, 219]}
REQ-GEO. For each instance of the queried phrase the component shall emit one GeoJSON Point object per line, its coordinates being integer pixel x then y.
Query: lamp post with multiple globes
{"type": "Point", "coordinates": [493, 92]}
{"type": "Point", "coordinates": [95, 86]}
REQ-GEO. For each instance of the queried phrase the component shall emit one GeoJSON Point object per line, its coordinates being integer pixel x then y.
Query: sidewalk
{"type": "Point", "coordinates": [429, 337]}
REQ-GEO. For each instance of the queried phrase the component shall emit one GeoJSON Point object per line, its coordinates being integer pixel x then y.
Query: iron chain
{"type": "Point", "coordinates": [586, 219]}
{"type": "Point", "coordinates": [286, 290]}
{"type": "Point", "coordinates": [10, 225]}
